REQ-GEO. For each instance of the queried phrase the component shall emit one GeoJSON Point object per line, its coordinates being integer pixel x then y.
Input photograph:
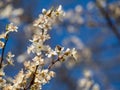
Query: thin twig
{"type": "Point", "coordinates": [33, 79]}
{"type": "Point", "coordinates": [53, 63]}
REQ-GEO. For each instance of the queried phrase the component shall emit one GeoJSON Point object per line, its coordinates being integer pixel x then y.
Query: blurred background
{"type": "Point", "coordinates": [91, 26]}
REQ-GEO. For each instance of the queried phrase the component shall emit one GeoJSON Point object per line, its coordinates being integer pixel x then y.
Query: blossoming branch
{"type": "Point", "coordinates": [35, 74]}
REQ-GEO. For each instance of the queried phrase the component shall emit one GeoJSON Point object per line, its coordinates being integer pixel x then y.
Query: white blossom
{"type": "Point", "coordinates": [1, 44]}
{"type": "Point", "coordinates": [11, 28]}
{"type": "Point", "coordinates": [9, 58]}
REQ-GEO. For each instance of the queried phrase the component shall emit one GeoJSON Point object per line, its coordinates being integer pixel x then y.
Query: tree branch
{"type": "Point", "coordinates": [107, 17]}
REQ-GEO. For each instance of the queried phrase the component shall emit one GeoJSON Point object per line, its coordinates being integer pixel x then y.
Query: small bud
{"type": "Point", "coordinates": [44, 11]}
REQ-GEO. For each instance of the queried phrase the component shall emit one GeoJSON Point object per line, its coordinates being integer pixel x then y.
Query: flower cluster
{"type": "Point", "coordinates": [48, 18]}
{"type": "Point", "coordinates": [114, 10]}
{"type": "Point", "coordinates": [9, 58]}
{"type": "Point", "coordinates": [38, 47]}
{"type": "Point", "coordinates": [3, 41]}
{"type": "Point", "coordinates": [34, 75]}
{"type": "Point", "coordinates": [9, 28]}
{"type": "Point", "coordinates": [87, 83]}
